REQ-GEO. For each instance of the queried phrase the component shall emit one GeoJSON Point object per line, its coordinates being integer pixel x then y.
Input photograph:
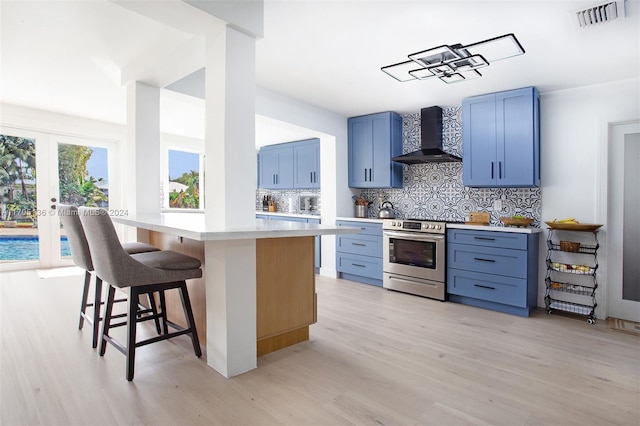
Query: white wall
{"type": "Point", "coordinates": [574, 131]}
{"type": "Point", "coordinates": [331, 129]}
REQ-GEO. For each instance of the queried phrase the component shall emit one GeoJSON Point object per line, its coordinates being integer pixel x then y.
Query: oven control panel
{"type": "Point", "coordinates": [414, 226]}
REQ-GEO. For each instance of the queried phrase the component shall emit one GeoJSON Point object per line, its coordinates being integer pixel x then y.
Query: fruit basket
{"type": "Point", "coordinates": [516, 221]}
{"type": "Point", "coordinates": [573, 226]}
{"type": "Point", "coordinates": [570, 246]}
{"type": "Point", "coordinates": [572, 269]}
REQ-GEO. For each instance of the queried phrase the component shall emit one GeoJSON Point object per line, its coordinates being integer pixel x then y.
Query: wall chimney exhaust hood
{"type": "Point", "coordinates": [430, 142]}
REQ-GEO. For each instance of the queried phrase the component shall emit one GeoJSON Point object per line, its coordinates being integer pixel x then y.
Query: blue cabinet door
{"type": "Point", "coordinates": [268, 169]}
{"type": "Point", "coordinates": [276, 167]}
{"type": "Point", "coordinates": [517, 138]}
{"type": "Point", "coordinates": [285, 168]}
{"type": "Point", "coordinates": [373, 140]}
{"type": "Point", "coordinates": [501, 139]}
{"type": "Point", "coordinates": [306, 164]}
{"type": "Point", "coordinates": [479, 141]}
{"type": "Point", "coordinates": [360, 152]}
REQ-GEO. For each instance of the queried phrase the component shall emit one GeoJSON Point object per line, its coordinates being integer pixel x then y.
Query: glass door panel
{"type": "Point", "coordinates": [83, 179]}
{"type": "Point", "coordinates": [19, 239]}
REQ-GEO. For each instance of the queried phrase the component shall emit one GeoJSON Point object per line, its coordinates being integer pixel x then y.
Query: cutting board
{"type": "Point", "coordinates": [479, 218]}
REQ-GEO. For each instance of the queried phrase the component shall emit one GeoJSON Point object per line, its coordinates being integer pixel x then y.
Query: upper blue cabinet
{"type": "Point", "coordinates": [306, 164]}
{"type": "Point", "coordinates": [373, 140]}
{"type": "Point", "coordinates": [276, 167]}
{"type": "Point", "coordinates": [290, 165]}
{"type": "Point", "coordinates": [501, 139]}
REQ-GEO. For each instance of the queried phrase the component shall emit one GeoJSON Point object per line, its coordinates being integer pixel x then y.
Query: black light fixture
{"type": "Point", "coordinates": [455, 63]}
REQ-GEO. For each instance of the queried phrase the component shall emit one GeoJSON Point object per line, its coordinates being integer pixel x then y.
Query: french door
{"type": "Point", "coordinates": [39, 170]}
{"type": "Point", "coordinates": [623, 231]}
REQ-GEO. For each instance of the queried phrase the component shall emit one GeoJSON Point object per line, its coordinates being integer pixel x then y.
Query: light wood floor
{"type": "Point", "coordinates": [375, 357]}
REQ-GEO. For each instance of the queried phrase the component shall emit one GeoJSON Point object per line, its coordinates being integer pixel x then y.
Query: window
{"type": "Point", "coordinates": [184, 190]}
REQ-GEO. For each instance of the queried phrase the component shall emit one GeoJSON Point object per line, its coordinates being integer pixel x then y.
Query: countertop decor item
{"type": "Point", "coordinates": [386, 212]}
{"type": "Point", "coordinates": [516, 221]}
{"type": "Point", "coordinates": [587, 227]}
{"type": "Point", "coordinates": [478, 218]}
{"type": "Point", "coordinates": [361, 205]}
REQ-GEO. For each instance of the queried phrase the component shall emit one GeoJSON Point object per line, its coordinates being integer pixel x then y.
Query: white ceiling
{"type": "Point", "coordinates": [66, 56]}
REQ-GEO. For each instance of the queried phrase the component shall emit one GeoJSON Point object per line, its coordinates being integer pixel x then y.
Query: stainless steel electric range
{"type": "Point", "coordinates": [414, 257]}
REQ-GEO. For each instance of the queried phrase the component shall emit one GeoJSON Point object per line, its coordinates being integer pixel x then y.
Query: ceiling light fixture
{"type": "Point", "coordinates": [455, 63]}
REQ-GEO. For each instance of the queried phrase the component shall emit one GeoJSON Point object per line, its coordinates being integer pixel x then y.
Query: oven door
{"type": "Point", "coordinates": [414, 254]}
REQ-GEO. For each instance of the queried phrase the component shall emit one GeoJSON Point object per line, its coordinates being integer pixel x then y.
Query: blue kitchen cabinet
{"type": "Point", "coordinates": [318, 258]}
{"type": "Point", "coordinates": [276, 167]}
{"type": "Point", "coordinates": [306, 163]}
{"type": "Point", "coordinates": [501, 139]}
{"type": "Point", "coordinates": [289, 218]}
{"type": "Point", "coordinates": [373, 140]}
{"type": "Point", "coordinates": [359, 256]}
{"type": "Point", "coordinates": [290, 165]}
{"type": "Point", "coordinates": [493, 270]}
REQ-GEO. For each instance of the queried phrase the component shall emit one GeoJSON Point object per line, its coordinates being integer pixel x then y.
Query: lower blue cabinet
{"type": "Point", "coordinates": [359, 256]}
{"type": "Point", "coordinates": [493, 269]}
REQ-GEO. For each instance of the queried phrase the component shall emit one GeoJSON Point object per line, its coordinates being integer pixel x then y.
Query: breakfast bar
{"type": "Point", "coordinates": [257, 292]}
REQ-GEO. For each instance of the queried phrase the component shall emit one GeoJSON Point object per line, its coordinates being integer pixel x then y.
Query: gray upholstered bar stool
{"type": "Point", "coordinates": [81, 256]}
{"type": "Point", "coordinates": [141, 273]}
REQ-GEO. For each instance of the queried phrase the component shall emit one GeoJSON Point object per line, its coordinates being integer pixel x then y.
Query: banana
{"type": "Point", "coordinates": [567, 220]}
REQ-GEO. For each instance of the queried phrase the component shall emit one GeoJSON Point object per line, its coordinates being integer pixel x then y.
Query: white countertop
{"type": "Point", "coordinates": [192, 225]}
{"type": "Point", "coordinates": [361, 219]}
{"type": "Point", "coordinates": [494, 228]}
{"type": "Point", "coordinates": [305, 216]}
{"type": "Point", "coordinates": [458, 226]}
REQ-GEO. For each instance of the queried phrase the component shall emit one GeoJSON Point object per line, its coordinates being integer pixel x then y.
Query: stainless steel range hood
{"type": "Point", "coordinates": [431, 141]}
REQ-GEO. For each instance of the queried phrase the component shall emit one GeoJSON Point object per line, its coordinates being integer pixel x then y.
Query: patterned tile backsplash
{"type": "Point", "coordinates": [282, 197]}
{"type": "Point", "coordinates": [435, 190]}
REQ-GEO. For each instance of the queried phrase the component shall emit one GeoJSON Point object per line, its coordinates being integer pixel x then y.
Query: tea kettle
{"type": "Point", "coordinates": [386, 212]}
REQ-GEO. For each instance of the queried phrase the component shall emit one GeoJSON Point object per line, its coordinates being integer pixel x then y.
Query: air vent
{"type": "Point", "coordinates": [604, 12]}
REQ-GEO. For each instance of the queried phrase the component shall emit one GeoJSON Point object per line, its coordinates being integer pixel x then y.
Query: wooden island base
{"type": "Point", "coordinates": [285, 288]}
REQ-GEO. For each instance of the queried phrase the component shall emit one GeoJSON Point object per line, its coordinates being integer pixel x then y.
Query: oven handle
{"type": "Point", "coordinates": [414, 236]}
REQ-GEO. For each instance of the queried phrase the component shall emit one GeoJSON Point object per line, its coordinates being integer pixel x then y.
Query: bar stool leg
{"type": "Point", "coordinates": [132, 322]}
{"type": "Point", "coordinates": [163, 313]}
{"type": "Point", "coordinates": [191, 323]}
{"type": "Point", "coordinates": [106, 324]}
{"type": "Point", "coordinates": [154, 309]}
{"type": "Point", "coordinates": [97, 303]}
{"type": "Point", "coordinates": [85, 296]}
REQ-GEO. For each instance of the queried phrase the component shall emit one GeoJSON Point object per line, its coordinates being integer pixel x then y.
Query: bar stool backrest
{"type": "Point", "coordinates": [78, 244]}
{"type": "Point", "coordinates": [110, 260]}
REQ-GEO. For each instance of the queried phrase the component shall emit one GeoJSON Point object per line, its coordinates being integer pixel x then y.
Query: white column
{"type": "Point", "coordinates": [142, 184]}
{"type": "Point", "coordinates": [230, 185]}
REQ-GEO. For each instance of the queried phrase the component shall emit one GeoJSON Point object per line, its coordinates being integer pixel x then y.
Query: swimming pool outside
{"type": "Point", "coordinates": [26, 247]}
